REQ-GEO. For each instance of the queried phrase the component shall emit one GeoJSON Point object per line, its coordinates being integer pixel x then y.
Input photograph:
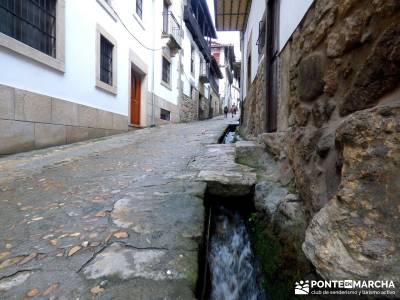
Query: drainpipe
{"type": "Point", "coordinates": [153, 116]}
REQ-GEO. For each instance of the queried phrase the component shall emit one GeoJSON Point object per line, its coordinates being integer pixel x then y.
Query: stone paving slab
{"type": "Point", "coordinates": [115, 218]}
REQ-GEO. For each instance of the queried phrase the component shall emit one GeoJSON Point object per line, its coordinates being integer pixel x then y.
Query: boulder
{"type": "Point", "coordinates": [267, 197]}
{"type": "Point", "coordinates": [357, 234]}
{"type": "Point", "coordinates": [291, 207]}
{"type": "Point", "coordinates": [274, 142]}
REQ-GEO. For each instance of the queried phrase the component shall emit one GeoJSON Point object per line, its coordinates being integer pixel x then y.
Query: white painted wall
{"type": "Point", "coordinates": [250, 37]}
{"type": "Point", "coordinates": [291, 13]}
{"type": "Point", "coordinates": [77, 84]}
{"type": "Point", "coordinates": [188, 78]}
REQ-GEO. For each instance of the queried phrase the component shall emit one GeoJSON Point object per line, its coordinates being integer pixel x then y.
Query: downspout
{"type": "Point", "coordinates": [153, 116]}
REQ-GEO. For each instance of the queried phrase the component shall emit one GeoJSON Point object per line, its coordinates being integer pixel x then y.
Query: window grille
{"type": "Point", "coordinates": [166, 70]}
{"type": "Point", "coordinates": [139, 8]}
{"type": "Point", "coordinates": [165, 115]}
{"type": "Point", "coordinates": [261, 36]}
{"type": "Point", "coordinates": [32, 22]}
{"type": "Point", "coordinates": [106, 61]}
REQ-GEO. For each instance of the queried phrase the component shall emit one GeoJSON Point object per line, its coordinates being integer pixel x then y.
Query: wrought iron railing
{"type": "Point", "coordinates": [171, 27]}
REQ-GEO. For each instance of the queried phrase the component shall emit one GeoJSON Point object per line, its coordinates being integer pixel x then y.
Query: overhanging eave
{"type": "Point", "coordinates": [231, 15]}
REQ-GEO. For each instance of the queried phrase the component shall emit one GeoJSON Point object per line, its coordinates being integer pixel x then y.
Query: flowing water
{"type": "Point", "coordinates": [231, 261]}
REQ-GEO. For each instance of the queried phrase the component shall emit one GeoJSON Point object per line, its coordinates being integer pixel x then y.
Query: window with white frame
{"type": "Point", "coordinates": [166, 71]}
{"type": "Point", "coordinates": [106, 61]}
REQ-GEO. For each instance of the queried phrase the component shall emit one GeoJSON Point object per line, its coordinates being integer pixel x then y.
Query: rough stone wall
{"type": "Point", "coordinates": [253, 115]}
{"type": "Point", "coordinates": [204, 108]}
{"type": "Point", "coordinates": [343, 138]}
{"type": "Point", "coordinates": [345, 57]}
{"type": "Point", "coordinates": [188, 109]}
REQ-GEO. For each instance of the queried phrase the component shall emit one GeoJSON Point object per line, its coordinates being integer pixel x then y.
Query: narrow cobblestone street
{"type": "Point", "coordinates": [120, 217]}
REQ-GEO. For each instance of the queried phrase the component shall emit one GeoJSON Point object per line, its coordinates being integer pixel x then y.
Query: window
{"type": "Point", "coordinates": [192, 57]}
{"type": "Point", "coordinates": [166, 71]}
{"type": "Point", "coordinates": [165, 115]}
{"type": "Point", "coordinates": [261, 37]}
{"type": "Point", "coordinates": [139, 8]}
{"type": "Point", "coordinates": [30, 22]}
{"type": "Point", "coordinates": [38, 25]}
{"type": "Point", "coordinates": [106, 60]}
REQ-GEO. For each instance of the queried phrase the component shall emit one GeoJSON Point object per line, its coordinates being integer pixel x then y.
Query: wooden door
{"type": "Point", "coordinates": [136, 84]}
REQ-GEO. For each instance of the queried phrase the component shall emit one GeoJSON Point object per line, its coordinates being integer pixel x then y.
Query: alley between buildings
{"type": "Point", "coordinates": [121, 217]}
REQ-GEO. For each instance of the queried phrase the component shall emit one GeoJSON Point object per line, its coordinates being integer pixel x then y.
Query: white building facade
{"type": "Point", "coordinates": [84, 69]}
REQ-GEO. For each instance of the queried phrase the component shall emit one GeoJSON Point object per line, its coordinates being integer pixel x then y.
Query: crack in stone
{"type": "Point", "coordinates": [20, 271]}
{"type": "Point", "coordinates": [94, 254]}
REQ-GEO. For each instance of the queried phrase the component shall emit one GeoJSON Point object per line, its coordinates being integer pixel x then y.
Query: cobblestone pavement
{"type": "Point", "coordinates": [115, 218]}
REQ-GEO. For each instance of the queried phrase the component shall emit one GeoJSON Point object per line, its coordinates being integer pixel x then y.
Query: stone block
{"type": "Point", "coordinates": [87, 116]}
{"type": "Point", "coordinates": [47, 135]}
{"type": "Point", "coordinates": [249, 153]}
{"type": "Point", "coordinates": [6, 102]}
{"type": "Point", "coordinates": [76, 134]}
{"type": "Point", "coordinates": [105, 120]}
{"type": "Point", "coordinates": [32, 107]}
{"type": "Point", "coordinates": [228, 183]}
{"type": "Point", "coordinates": [311, 77]}
{"type": "Point", "coordinates": [64, 112]}
{"type": "Point", "coordinates": [120, 122]}
{"type": "Point", "coordinates": [16, 136]}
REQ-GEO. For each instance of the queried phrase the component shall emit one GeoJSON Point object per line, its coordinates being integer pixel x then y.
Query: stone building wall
{"type": "Point", "coordinates": [339, 128]}
{"type": "Point", "coordinates": [32, 121]}
{"type": "Point", "coordinates": [253, 109]}
{"type": "Point", "coordinates": [188, 109]}
{"type": "Point", "coordinates": [160, 103]}
{"type": "Point", "coordinates": [204, 108]}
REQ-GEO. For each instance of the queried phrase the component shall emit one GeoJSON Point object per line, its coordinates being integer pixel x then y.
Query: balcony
{"type": "Point", "coordinates": [172, 31]}
{"type": "Point", "coordinates": [204, 72]}
{"type": "Point", "coordinates": [196, 32]}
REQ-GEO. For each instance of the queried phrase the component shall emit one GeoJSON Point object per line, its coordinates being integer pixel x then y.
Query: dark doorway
{"type": "Point", "coordinates": [272, 64]}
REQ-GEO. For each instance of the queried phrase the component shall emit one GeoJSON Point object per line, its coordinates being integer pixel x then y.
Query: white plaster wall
{"type": "Point", "coordinates": [77, 84]}
{"type": "Point", "coordinates": [187, 77]}
{"type": "Point", "coordinates": [250, 36]}
{"type": "Point", "coordinates": [291, 13]}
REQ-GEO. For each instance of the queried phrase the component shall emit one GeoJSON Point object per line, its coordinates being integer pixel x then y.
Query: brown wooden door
{"type": "Point", "coordinates": [136, 84]}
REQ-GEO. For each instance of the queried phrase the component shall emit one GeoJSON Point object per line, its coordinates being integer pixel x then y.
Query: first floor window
{"type": "Point", "coordinates": [139, 8]}
{"type": "Point", "coordinates": [166, 71]}
{"type": "Point", "coordinates": [106, 60]}
{"type": "Point", "coordinates": [165, 115]}
{"type": "Point", "coordinates": [32, 22]}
